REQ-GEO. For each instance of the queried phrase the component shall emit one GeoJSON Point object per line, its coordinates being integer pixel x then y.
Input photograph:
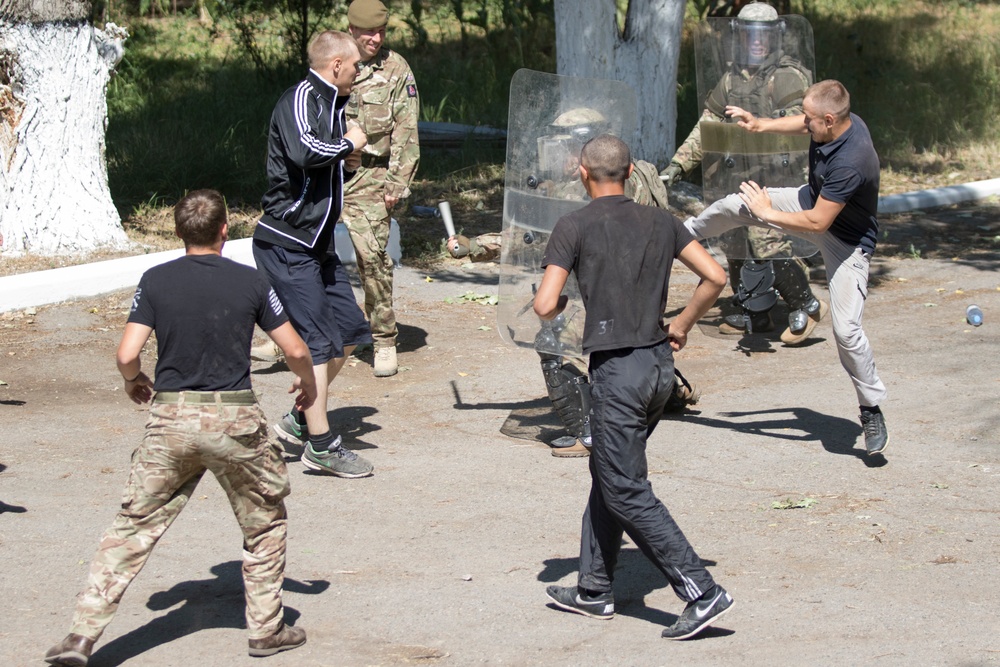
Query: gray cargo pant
{"type": "Point", "coordinates": [629, 389]}
{"type": "Point", "coordinates": [847, 278]}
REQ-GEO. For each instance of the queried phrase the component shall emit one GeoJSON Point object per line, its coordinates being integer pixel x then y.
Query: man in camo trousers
{"type": "Point", "coordinates": [203, 309]}
{"type": "Point", "coordinates": [385, 105]}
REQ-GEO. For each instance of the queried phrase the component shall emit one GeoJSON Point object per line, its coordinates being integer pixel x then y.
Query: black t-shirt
{"type": "Point", "coordinates": [846, 171]}
{"type": "Point", "coordinates": [203, 309]}
{"type": "Point", "coordinates": [622, 254]}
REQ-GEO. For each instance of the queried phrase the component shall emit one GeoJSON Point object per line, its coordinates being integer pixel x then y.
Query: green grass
{"type": "Point", "coordinates": [925, 76]}
{"type": "Point", "coordinates": [186, 112]}
{"type": "Point", "coordinates": [188, 109]}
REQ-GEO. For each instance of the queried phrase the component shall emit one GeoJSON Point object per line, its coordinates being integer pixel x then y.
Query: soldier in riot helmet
{"type": "Point", "coordinates": [565, 371]}
{"type": "Point", "coordinates": [764, 78]}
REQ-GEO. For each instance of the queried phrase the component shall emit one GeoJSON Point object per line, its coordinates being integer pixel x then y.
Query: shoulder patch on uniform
{"type": "Point", "coordinates": [411, 90]}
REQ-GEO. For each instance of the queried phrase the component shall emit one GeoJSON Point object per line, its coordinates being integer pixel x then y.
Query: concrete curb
{"type": "Point", "coordinates": [946, 196]}
{"type": "Point", "coordinates": [56, 285]}
{"type": "Point", "coordinates": [72, 282]}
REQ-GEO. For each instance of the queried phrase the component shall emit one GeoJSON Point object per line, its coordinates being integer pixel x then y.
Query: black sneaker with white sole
{"type": "Point", "coordinates": [572, 598]}
{"type": "Point", "coordinates": [700, 614]}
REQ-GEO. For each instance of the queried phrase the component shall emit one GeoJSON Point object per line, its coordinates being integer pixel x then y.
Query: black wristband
{"type": "Point", "coordinates": [133, 379]}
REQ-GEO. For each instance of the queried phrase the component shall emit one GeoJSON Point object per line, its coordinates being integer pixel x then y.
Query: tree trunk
{"type": "Point", "coordinates": [590, 44]}
{"type": "Point", "coordinates": [54, 71]}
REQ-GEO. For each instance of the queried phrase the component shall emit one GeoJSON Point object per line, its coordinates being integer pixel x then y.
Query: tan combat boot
{"type": "Point", "coordinates": [267, 351]}
{"type": "Point", "coordinates": [72, 651]}
{"type": "Point", "coordinates": [284, 640]}
{"type": "Point", "coordinates": [806, 322]}
{"type": "Point", "coordinates": [385, 362]}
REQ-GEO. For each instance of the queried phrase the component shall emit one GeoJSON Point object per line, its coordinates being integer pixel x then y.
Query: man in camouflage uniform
{"type": "Point", "coordinates": [204, 415]}
{"type": "Point", "coordinates": [385, 105]}
{"type": "Point", "coordinates": [772, 85]}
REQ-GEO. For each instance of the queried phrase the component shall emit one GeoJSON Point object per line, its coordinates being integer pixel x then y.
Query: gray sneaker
{"type": "Point", "coordinates": [289, 430]}
{"type": "Point", "coordinates": [876, 436]}
{"type": "Point", "coordinates": [338, 460]}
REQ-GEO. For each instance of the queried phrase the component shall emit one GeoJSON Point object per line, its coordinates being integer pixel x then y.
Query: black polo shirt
{"type": "Point", "coordinates": [846, 171]}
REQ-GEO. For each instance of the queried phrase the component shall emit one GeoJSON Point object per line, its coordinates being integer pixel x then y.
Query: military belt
{"type": "Point", "coordinates": [241, 397]}
{"type": "Point", "coordinates": [372, 161]}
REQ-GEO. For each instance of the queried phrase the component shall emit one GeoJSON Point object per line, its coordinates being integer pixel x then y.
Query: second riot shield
{"type": "Point", "coordinates": [762, 64]}
{"type": "Point", "coordinates": [550, 119]}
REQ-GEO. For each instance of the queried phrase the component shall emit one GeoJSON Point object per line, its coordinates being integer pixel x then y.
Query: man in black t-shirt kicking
{"type": "Point", "coordinates": [204, 415]}
{"type": "Point", "coordinates": [622, 254]}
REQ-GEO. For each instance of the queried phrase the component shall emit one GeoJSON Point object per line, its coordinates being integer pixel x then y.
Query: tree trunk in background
{"type": "Point", "coordinates": [644, 55]}
{"type": "Point", "coordinates": [54, 71]}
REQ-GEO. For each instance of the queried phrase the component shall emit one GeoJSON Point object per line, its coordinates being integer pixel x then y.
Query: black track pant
{"type": "Point", "coordinates": [629, 389]}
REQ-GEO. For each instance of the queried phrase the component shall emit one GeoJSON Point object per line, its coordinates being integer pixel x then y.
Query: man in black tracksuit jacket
{"type": "Point", "coordinates": [308, 154]}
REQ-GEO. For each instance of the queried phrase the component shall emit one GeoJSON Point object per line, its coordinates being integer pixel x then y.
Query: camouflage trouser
{"type": "Point", "coordinates": [485, 248]}
{"type": "Point", "coordinates": [367, 219]}
{"type": "Point", "coordinates": [183, 440]}
{"type": "Point", "coordinates": [768, 243]}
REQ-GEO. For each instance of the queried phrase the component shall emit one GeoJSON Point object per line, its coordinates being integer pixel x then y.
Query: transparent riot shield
{"type": "Point", "coordinates": [550, 119]}
{"type": "Point", "coordinates": [765, 68]}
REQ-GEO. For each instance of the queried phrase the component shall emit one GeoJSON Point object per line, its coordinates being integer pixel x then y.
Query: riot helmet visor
{"type": "Point", "coordinates": [756, 41]}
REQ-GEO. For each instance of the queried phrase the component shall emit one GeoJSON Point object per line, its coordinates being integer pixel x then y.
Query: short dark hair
{"type": "Point", "coordinates": [199, 217]}
{"type": "Point", "coordinates": [830, 97]}
{"type": "Point", "coordinates": [606, 158]}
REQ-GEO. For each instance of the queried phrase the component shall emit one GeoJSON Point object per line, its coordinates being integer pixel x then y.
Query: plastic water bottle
{"type": "Point", "coordinates": [974, 315]}
{"type": "Point", "coordinates": [425, 211]}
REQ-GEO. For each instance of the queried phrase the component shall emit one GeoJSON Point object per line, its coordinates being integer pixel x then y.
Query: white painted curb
{"type": "Point", "coordinates": [72, 282]}
{"type": "Point", "coordinates": [946, 196]}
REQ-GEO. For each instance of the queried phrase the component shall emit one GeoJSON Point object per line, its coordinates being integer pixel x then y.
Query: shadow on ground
{"type": "Point", "coordinates": [835, 434]}
{"type": "Point", "coordinates": [205, 604]}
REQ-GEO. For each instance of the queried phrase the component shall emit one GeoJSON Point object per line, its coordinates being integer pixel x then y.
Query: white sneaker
{"type": "Point", "coordinates": [385, 362]}
{"type": "Point", "coordinates": [268, 351]}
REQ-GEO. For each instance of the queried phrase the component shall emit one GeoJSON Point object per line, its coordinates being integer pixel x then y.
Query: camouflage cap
{"type": "Point", "coordinates": [758, 11]}
{"type": "Point", "coordinates": [579, 116]}
{"type": "Point", "coordinates": [367, 14]}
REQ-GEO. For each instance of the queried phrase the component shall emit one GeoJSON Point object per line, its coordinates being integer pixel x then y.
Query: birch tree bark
{"type": "Point", "coordinates": [644, 54]}
{"type": "Point", "coordinates": [54, 71]}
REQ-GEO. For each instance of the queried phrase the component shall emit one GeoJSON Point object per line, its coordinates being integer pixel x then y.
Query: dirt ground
{"type": "Point", "coordinates": [442, 557]}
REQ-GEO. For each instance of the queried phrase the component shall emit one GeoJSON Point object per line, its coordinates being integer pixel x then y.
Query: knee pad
{"type": "Point", "coordinates": [755, 292]}
{"type": "Point", "coordinates": [792, 283]}
{"type": "Point", "coordinates": [569, 391]}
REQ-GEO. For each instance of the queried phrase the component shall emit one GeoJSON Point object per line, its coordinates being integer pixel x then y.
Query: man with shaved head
{"type": "Point", "coordinates": [622, 254]}
{"type": "Point", "coordinates": [836, 210]}
{"type": "Point", "coordinates": [308, 155]}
